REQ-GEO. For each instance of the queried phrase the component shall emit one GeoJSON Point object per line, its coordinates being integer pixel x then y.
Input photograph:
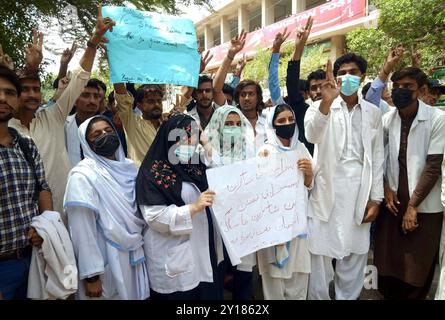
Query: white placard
{"type": "Point", "coordinates": [260, 202]}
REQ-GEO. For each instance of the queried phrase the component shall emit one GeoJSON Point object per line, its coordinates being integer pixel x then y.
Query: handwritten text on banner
{"type": "Point", "coordinates": [260, 202]}
{"type": "Point", "coordinates": [147, 47]}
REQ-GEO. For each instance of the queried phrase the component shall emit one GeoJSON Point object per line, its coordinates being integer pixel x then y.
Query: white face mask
{"type": "Point", "coordinates": [185, 152]}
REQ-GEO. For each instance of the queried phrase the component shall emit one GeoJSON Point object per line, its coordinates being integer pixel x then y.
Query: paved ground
{"type": "Point", "coordinates": [365, 295]}
{"type": "Point", "coordinates": [375, 295]}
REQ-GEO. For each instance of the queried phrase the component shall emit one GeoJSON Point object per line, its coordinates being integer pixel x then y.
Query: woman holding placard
{"type": "Point", "coordinates": [285, 268]}
{"type": "Point", "coordinates": [231, 136]}
{"type": "Point", "coordinates": [182, 244]}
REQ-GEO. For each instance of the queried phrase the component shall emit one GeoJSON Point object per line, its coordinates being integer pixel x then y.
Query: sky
{"type": "Point", "coordinates": [54, 44]}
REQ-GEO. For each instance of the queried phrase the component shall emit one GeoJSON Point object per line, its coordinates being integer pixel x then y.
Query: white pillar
{"type": "Point", "coordinates": [267, 13]}
{"type": "Point", "coordinates": [225, 29]}
{"type": "Point", "coordinates": [298, 6]}
{"type": "Point", "coordinates": [208, 37]}
{"type": "Point", "coordinates": [243, 18]}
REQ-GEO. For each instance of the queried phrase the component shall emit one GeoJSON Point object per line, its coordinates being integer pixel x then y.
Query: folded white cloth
{"type": "Point", "coordinates": [53, 271]}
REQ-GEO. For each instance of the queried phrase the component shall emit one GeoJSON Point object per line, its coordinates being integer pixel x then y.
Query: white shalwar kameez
{"type": "Point", "coordinates": [341, 238]}
{"type": "Point", "coordinates": [290, 282]}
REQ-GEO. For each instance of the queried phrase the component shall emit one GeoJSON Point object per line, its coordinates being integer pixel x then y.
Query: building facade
{"type": "Point", "coordinates": [262, 19]}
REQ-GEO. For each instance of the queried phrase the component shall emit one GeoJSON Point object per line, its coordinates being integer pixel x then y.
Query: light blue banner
{"type": "Point", "coordinates": [147, 47]}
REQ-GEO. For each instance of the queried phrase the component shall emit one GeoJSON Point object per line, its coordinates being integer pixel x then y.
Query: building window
{"type": "Point", "coordinates": [233, 25]}
{"type": "Point", "coordinates": [282, 10]}
{"type": "Point", "coordinates": [255, 19]}
{"type": "Point", "coordinates": [216, 36]}
{"type": "Point", "coordinates": [314, 3]}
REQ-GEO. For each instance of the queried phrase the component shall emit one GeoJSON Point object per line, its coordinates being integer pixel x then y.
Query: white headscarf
{"type": "Point", "coordinates": [114, 203]}
{"type": "Point", "coordinates": [272, 138]}
{"type": "Point", "coordinates": [122, 169]}
{"type": "Point", "coordinates": [279, 255]}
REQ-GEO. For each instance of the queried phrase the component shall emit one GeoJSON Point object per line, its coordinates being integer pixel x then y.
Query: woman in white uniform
{"type": "Point", "coordinates": [104, 222]}
{"type": "Point", "coordinates": [172, 193]}
{"type": "Point", "coordinates": [285, 268]}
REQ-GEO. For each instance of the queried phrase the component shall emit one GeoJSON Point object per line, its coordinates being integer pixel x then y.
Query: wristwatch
{"type": "Point", "coordinates": [92, 45]}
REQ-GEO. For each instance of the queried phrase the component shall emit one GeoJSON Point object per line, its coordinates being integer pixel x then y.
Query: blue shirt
{"type": "Point", "coordinates": [274, 83]}
{"type": "Point", "coordinates": [374, 94]}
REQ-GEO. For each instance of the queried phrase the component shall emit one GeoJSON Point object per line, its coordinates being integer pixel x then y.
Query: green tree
{"type": "Point", "coordinates": [419, 25]}
{"type": "Point", "coordinates": [47, 86]}
{"type": "Point", "coordinates": [17, 18]}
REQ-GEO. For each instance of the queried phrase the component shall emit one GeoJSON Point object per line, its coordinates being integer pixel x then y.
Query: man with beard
{"type": "Point", "coordinates": [408, 230]}
{"type": "Point", "coordinates": [203, 96]}
{"type": "Point", "coordinates": [87, 106]}
{"type": "Point", "coordinates": [24, 193]}
{"type": "Point", "coordinates": [46, 128]}
{"type": "Point", "coordinates": [140, 130]}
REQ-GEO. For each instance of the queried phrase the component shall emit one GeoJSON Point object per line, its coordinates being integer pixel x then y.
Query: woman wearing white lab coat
{"type": "Point", "coordinates": [182, 245]}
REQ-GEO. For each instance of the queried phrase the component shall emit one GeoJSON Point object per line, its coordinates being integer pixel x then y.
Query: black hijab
{"type": "Point", "coordinates": [159, 181]}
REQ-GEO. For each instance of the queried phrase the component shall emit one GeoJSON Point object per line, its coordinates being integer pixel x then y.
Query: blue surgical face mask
{"type": "Point", "coordinates": [349, 84]}
{"type": "Point", "coordinates": [232, 133]}
{"type": "Point", "coordinates": [185, 152]}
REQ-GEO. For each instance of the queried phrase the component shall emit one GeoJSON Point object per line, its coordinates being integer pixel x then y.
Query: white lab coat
{"type": "Point", "coordinates": [328, 133]}
{"type": "Point", "coordinates": [176, 245]}
{"type": "Point", "coordinates": [426, 137]}
{"type": "Point", "coordinates": [53, 271]}
{"type": "Point", "coordinates": [195, 115]}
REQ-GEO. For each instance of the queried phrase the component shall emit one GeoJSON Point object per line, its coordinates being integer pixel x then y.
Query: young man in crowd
{"type": "Point", "coordinates": [409, 228]}
{"type": "Point", "coordinates": [87, 106]}
{"type": "Point", "coordinates": [348, 187]}
{"type": "Point", "coordinates": [24, 193]}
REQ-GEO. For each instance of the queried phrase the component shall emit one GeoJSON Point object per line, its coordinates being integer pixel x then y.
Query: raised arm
{"type": "Point", "coordinates": [65, 59]}
{"type": "Point", "coordinates": [317, 116]}
{"type": "Point", "coordinates": [416, 59]}
{"type": "Point", "coordinates": [81, 75]}
{"type": "Point", "coordinates": [33, 52]}
{"type": "Point", "coordinates": [274, 82]}
{"type": "Point", "coordinates": [293, 66]}
{"type": "Point", "coordinates": [238, 71]}
{"type": "Point", "coordinates": [374, 93]}
{"type": "Point", "coordinates": [102, 26]}
{"type": "Point", "coordinates": [5, 60]}
{"type": "Point", "coordinates": [301, 39]}
{"type": "Point", "coordinates": [236, 45]}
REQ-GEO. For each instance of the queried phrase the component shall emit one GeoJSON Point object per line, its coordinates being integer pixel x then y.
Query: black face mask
{"type": "Point", "coordinates": [106, 145]}
{"type": "Point", "coordinates": [402, 97]}
{"type": "Point", "coordinates": [285, 131]}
